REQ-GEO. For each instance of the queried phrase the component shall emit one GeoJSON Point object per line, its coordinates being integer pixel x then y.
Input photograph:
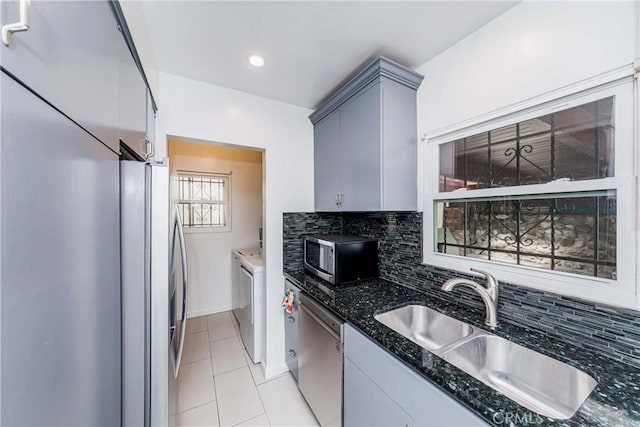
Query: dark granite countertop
{"type": "Point", "coordinates": [614, 402]}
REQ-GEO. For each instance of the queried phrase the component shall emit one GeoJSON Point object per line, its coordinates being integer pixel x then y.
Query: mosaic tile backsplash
{"type": "Point", "coordinates": [612, 331]}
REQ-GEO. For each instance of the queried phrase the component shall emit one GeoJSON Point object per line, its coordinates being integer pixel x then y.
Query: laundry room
{"type": "Point", "coordinates": [219, 194]}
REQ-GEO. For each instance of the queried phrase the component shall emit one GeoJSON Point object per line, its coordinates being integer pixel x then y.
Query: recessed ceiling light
{"type": "Point", "coordinates": [256, 60]}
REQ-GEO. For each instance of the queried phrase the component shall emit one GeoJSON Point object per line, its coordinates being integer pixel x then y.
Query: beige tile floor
{"type": "Point", "coordinates": [220, 386]}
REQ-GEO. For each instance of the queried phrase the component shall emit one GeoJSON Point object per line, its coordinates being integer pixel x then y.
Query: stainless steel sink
{"type": "Point", "coordinates": [535, 381]}
{"type": "Point", "coordinates": [426, 327]}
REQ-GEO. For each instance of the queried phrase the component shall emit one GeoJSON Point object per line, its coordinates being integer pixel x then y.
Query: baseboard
{"type": "Point", "coordinates": [274, 371]}
{"type": "Point", "coordinates": [206, 311]}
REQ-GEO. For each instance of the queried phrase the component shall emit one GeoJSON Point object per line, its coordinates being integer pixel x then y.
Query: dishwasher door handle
{"type": "Point", "coordinates": [320, 322]}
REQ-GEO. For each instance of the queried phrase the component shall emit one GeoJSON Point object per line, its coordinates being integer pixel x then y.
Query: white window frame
{"type": "Point", "coordinates": [226, 203]}
{"type": "Point", "coordinates": [622, 292]}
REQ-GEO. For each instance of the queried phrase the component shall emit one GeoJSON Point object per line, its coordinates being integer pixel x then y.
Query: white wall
{"type": "Point", "coordinates": [209, 261]}
{"type": "Point", "coordinates": [533, 48]}
{"type": "Point", "coordinates": [212, 113]}
{"type": "Point", "coordinates": [533, 52]}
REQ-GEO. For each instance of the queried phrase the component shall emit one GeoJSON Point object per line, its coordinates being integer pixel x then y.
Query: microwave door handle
{"type": "Point", "coordinates": [185, 290]}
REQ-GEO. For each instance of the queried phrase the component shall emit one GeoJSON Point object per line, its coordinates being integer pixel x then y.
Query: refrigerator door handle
{"type": "Point", "coordinates": [183, 253]}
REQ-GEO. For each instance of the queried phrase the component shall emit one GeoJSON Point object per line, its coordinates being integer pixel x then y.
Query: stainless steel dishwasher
{"type": "Point", "coordinates": [320, 361]}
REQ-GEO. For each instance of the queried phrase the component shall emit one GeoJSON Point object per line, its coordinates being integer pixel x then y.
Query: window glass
{"type": "Point", "coordinates": [204, 200]}
{"type": "Point", "coordinates": [574, 144]}
{"type": "Point", "coordinates": [569, 232]}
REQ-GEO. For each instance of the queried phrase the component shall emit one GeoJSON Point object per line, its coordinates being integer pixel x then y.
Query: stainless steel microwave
{"type": "Point", "coordinates": [340, 259]}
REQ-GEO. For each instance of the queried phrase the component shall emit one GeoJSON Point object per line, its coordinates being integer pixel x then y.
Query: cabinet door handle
{"type": "Point", "coordinates": [16, 27]}
{"type": "Point", "coordinates": [150, 148]}
{"type": "Point", "coordinates": [341, 199]}
{"type": "Point", "coordinates": [291, 319]}
{"type": "Point", "coordinates": [338, 199]}
{"type": "Point", "coordinates": [292, 353]}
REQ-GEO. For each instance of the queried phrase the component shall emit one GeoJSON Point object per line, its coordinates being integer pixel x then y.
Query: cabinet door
{"type": "Point", "coordinates": [60, 275]}
{"type": "Point", "coordinates": [360, 147]}
{"type": "Point", "coordinates": [365, 404]}
{"type": "Point", "coordinates": [151, 125]}
{"type": "Point", "coordinates": [400, 147]}
{"type": "Point", "coordinates": [327, 163]}
{"type": "Point", "coordinates": [291, 342]}
{"type": "Point", "coordinates": [133, 103]}
{"type": "Point", "coordinates": [291, 331]}
{"type": "Point", "coordinates": [69, 56]}
{"type": "Point", "coordinates": [426, 403]}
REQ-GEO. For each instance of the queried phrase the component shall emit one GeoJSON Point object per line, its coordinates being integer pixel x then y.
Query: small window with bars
{"type": "Point", "coordinates": [204, 202]}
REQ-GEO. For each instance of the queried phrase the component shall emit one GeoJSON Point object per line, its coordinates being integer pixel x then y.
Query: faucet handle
{"type": "Point", "coordinates": [492, 283]}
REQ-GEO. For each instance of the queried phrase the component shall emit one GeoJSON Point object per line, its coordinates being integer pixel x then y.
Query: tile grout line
{"type": "Point", "coordinates": [196, 407]}
{"type": "Point", "coordinates": [203, 358]}
{"type": "Point", "coordinates": [243, 358]}
{"type": "Point", "coordinates": [249, 419]}
{"type": "Point", "coordinates": [260, 397]}
{"type": "Point", "coordinates": [253, 418]}
{"type": "Point", "coordinates": [234, 369]}
{"type": "Point", "coordinates": [215, 388]}
{"type": "Point", "coordinates": [264, 408]}
{"type": "Point", "coordinates": [216, 397]}
{"type": "Point", "coordinates": [225, 338]}
{"type": "Point", "coordinates": [264, 411]}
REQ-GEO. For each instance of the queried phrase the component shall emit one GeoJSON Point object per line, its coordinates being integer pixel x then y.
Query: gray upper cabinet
{"type": "Point", "coordinates": [327, 169]}
{"type": "Point", "coordinates": [133, 103]}
{"type": "Point", "coordinates": [70, 57]}
{"type": "Point", "coordinates": [151, 124]}
{"type": "Point", "coordinates": [365, 142]}
{"type": "Point", "coordinates": [75, 57]}
{"type": "Point", "coordinates": [360, 151]}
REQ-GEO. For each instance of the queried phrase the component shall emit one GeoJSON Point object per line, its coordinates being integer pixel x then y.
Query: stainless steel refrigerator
{"type": "Point", "coordinates": [71, 91]}
{"type": "Point", "coordinates": [154, 294]}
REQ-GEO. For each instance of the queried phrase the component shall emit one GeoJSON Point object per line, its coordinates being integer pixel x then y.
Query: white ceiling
{"type": "Point", "coordinates": [310, 47]}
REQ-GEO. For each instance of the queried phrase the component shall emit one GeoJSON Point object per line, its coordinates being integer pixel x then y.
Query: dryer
{"type": "Point", "coordinates": [248, 300]}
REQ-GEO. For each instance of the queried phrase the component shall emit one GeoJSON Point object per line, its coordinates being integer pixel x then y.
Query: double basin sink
{"type": "Point", "coordinates": [537, 382]}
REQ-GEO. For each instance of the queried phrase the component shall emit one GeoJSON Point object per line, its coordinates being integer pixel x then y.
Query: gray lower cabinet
{"type": "Point", "coordinates": [376, 381]}
{"type": "Point", "coordinates": [366, 404]}
{"type": "Point", "coordinates": [365, 142]}
{"type": "Point", "coordinates": [291, 331]}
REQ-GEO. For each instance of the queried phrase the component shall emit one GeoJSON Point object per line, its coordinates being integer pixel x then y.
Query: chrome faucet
{"type": "Point", "coordinates": [488, 294]}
